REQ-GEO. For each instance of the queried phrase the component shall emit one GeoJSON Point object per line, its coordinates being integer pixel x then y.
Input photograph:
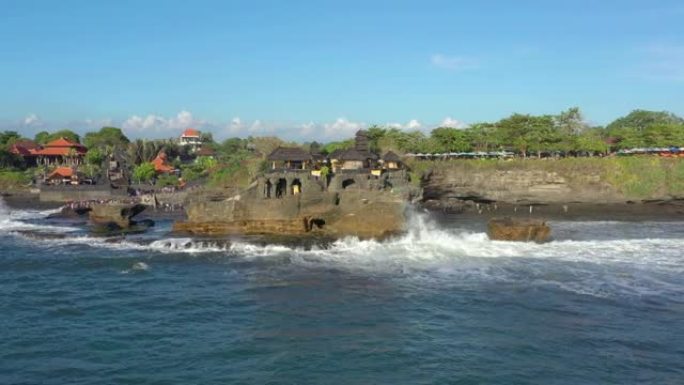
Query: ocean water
{"type": "Point", "coordinates": [601, 304]}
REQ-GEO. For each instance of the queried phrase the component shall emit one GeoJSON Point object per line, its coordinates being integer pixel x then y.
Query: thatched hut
{"type": "Point", "coordinates": [391, 161]}
{"type": "Point", "coordinates": [290, 158]}
{"type": "Point", "coordinates": [353, 159]}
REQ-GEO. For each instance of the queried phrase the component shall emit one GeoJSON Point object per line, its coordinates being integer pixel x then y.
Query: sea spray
{"type": "Point", "coordinates": [26, 220]}
{"type": "Point", "coordinates": [426, 244]}
{"type": "Point", "coordinates": [4, 210]}
{"type": "Point", "coordinates": [137, 267]}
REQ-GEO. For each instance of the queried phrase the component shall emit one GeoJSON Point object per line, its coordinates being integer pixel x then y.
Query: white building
{"type": "Point", "coordinates": [191, 137]}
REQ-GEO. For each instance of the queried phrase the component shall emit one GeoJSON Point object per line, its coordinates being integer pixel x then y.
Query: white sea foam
{"type": "Point", "coordinates": [17, 220]}
{"type": "Point", "coordinates": [186, 245]}
{"type": "Point", "coordinates": [586, 266]}
{"type": "Point", "coordinates": [426, 243]}
{"type": "Point", "coordinates": [137, 267]}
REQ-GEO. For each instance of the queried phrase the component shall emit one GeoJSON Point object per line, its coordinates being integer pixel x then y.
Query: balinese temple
{"type": "Point", "coordinates": [353, 159]}
{"type": "Point", "coordinates": [391, 161]}
{"type": "Point", "coordinates": [115, 164]}
{"type": "Point", "coordinates": [161, 165]}
{"type": "Point", "coordinates": [359, 157]}
{"type": "Point", "coordinates": [27, 150]}
{"type": "Point", "coordinates": [60, 151]}
{"type": "Point", "coordinates": [64, 175]}
{"type": "Point", "coordinates": [290, 158]}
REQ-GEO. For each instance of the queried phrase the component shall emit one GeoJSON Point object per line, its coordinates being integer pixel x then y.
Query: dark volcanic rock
{"type": "Point", "coordinates": [70, 213]}
{"type": "Point", "coordinates": [507, 229]}
{"type": "Point", "coordinates": [111, 218]}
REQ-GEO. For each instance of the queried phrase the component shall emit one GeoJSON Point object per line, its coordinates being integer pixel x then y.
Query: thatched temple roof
{"type": "Point", "coordinates": [354, 154]}
{"type": "Point", "coordinates": [289, 153]}
{"type": "Point", "coordinates": [390, 156]}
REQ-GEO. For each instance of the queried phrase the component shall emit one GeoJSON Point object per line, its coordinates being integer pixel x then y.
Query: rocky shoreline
{"type": "Point", "coordinates": [627, 211]}
{"type": "Point", "coordinates": [470, 209]}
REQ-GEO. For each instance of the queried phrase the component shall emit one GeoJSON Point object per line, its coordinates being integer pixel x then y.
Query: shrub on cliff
{"type": "Point", "coordinates": [144, 172]}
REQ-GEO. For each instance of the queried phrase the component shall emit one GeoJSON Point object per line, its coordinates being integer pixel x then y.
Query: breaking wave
{"type": "Point", "coordinates": [21, 220]}
{"type": "Point", "coordinates": [425, 242]}
{"type": "Point", "coordinates": [631, 265]}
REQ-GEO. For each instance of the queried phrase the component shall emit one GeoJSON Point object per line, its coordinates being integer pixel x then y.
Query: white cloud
{"type": "Point", "coordinates": [234, 127]}
{"type": "Point", "coordinates": [257, 127]}
{"type": "Point", "coordinates": [236, 123]}
{"type": "Point", "coordinates": [306, 129]}
{"type": "Point", "coordinates": [453, 63]}
{"type": "Point", "coordinates": [154, 125]}
{"type": "Point", "coordinates": [453, 123]}
{"type": "Point", "coordinates": [32, 120]}
{"type": "Point", "coordinates": [91, 124]}
{"type": "Point", "coordinates": [341, 128]}
{"type": "Point", "coordinates": [413, 124]}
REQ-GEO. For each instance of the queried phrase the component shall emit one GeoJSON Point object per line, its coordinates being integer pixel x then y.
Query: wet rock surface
{"type": "Point", "coordinates": [521, 230]}
{"type": "Point", "coordinates": [115, 217]}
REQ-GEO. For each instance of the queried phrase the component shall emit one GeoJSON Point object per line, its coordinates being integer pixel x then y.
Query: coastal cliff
{"type": "Point", "coordinates": [584, 180]}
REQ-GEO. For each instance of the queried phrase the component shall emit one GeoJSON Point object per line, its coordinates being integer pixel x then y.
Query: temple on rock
{"type": "Point", "coordinates": [294, 170]}
{"type": "Point", "coordinates": [352, 192]}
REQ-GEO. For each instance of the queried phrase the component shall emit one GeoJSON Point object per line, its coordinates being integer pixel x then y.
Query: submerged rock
{"type": "Point", "coordinates": [36, 234]}
{"type": "Point", "coordinates": [525, 230]}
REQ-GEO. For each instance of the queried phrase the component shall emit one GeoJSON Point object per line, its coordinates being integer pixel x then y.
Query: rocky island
{"type": "Point", "coordinates": [353, 192]}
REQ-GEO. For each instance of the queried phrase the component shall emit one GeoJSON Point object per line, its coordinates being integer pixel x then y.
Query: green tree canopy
{"type": "Point", "coordinates": [7, 138]}
{"type": "Point", "coordinates": [207, 137]}
{"type": "Point", "coordinates": [106, 137]}
{"type": "Point", "coordinates": [9, 160]}
{"type": "Point", "coordinates": [640, 120]}
{"type": "Point", "coordinates": [571, 122]}
{"type": "Point", "coordinates": [44, 137]}
{"type": "Point", "coordinates": [589, 140]}
{"type": "Point", "coordinates": [94, 156]}
{"type": "Point", "coordinates": [144, 172]}
{"type": "Point", "coordinates": [450, 139]}
{"type": "Point", "coordinates": [340, 145]}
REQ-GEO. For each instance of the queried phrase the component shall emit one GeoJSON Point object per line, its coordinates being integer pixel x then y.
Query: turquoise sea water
{"type": "Point", "coordinates": [602, 304]}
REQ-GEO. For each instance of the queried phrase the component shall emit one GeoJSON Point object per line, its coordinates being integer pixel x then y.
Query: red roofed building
{"type": "Point", "coordinates": [59, 151]}
{"type": "Point", "coordinates": [63, 175]}
{"type": "Point", "coordinates": [160, 164]}
{"type": "Point", "coordinates": [191, 137]}
{"type": "Point", "coordinates": [25, 149]}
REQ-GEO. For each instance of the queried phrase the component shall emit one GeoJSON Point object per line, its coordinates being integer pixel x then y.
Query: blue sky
{"type": "Point", "coordinates": [322, 69]}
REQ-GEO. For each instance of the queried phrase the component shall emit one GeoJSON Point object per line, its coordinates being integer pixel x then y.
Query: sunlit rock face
{"type": "Point", "coordinates": [521, 230]}
{"type": "Point", "coordinates": [294, 203]}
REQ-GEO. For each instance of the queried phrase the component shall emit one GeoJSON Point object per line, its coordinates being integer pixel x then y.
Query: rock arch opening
{"type": "Point", "coordinates": [268, 186]}
{"type": "Point", "coordinates": [281, 188]}
{"type": "Point", "coordinates": [348, 182]}
{"type": "Point", "coordinates": [296, 187]}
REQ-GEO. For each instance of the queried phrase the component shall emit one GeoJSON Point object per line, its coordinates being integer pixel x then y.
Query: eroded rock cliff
{"type": "Point", "coordinates": [361, 213]}
{"type": "Point", "coordinates": [555, 181]}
